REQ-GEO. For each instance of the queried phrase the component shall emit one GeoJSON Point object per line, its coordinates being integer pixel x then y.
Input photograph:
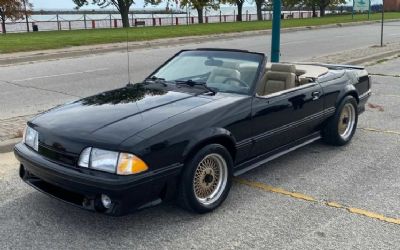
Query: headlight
{"type": "Point", "coordinates": [112, 162]}
{"type": "Point", "coordinates": [31, 138]}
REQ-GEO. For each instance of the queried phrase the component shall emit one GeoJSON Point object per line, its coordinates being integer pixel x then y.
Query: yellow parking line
{"type": "Point", "coordinates": [333, 204]}
{"type": "Point", "coordinates": [272, 189]}
{"type": "Point", "coordinates": [373, 215]}
{"type": "Point", "coordinates": [381, 131]}
{"type": "Point", "coordinates": [308, 198]}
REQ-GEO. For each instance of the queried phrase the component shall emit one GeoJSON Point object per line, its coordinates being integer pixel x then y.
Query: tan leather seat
{"type": "Point", "coordinates": [248, 73]}
{"type": "Point", "coordinates": [219, 75]}
{"type": "Point", "coordinates": [281, 77]}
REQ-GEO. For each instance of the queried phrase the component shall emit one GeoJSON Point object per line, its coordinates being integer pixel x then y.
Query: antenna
{"type": "Point", "coordinates": [129, 69]}
{"type": "Point", "coordinates": [128, 57]}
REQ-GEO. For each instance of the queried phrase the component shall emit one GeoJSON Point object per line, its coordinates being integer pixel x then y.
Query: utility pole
{"type": "Point", "coordinates": [383, 18]}
{"type": "Point", "coordinates": [369, 9]}
{"type": "Point", "coordinates": [187, 14]}
{"type": "Point", "coordinates": [276, 31]}
{"type": "Point", "coordinates": [26, 16]}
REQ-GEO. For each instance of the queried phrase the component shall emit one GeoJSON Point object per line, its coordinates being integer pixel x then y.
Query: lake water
{"type": "Point", "coordinates": [90, 21]}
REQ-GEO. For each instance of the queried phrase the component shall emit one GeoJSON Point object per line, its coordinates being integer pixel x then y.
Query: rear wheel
{"type": "Point", "coordinates": [206, 179]}
{"type": "Point", "coordinates": [341, 127]}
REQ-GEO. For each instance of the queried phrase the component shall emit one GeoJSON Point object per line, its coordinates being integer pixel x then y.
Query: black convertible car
{"type": "Point", "coordinates": [201, 118]}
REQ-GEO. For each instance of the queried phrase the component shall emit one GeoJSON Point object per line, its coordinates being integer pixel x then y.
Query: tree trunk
{"type": "Point", "coordinates": [314, 11]}
{"type": "Point", "coordinates": [125, 17]}
{"type": "Point", "coordinates": [3, 23]}
{"type": "Point", "coordinates": [322, 10]}
{"type": "Point", "coordinates": [239, 7]}
{"type": "Point", "coordinates": [259, 12]}
{"type": "Point", "coordinates": [200, 14]}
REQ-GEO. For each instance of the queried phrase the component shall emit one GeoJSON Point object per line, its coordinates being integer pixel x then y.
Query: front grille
{"type": "Point", "coordinates": [58, 156]}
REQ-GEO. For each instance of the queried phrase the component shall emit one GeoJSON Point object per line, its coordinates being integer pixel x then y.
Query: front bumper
{"type": "Point", "coordinates": [84, 187]}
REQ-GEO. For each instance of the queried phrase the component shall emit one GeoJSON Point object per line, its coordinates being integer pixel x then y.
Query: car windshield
{"type": "Point", "coordinates": [223, 71]}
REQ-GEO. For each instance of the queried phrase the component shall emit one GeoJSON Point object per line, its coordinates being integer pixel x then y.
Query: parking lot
{"type": "Point", "coordinates": [318, 197]}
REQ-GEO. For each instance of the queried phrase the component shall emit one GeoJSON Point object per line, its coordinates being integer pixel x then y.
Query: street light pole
{"type": "Point", "coordinates": [276, 31]}
{"type": "Point", "coordinates": [26, 16]}
{"type": "Point", "coordinates": [383, 17]}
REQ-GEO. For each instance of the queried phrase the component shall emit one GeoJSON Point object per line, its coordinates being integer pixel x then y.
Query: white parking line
{"type": "Point", "coordinates": [58, 75]}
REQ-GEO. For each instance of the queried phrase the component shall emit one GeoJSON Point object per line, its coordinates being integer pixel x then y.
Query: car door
{"type": "Point", "coordinates": [285, 116]}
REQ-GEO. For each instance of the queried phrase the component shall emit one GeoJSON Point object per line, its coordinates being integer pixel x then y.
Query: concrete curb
{"type": "Point", "coordinates": [8, 145]}
{"type": "Point", "coordinates": [24, 57]}
{"type": "Point", "coordinates": [374, 57]}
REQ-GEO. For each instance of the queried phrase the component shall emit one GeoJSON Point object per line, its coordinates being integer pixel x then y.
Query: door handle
{"type": "Point", "coordinates": [315, 95]}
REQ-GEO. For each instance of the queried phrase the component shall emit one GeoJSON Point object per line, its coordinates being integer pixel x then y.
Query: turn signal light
{"type": "Point", "coordinates": [130, 164]}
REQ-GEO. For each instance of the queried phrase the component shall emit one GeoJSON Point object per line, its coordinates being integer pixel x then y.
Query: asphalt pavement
{"type": "Point", "coordinates": [30, 88]}
{"type": "Point", "coordinates": [318, 197]}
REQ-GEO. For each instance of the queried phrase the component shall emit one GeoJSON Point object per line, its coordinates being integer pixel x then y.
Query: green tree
{"type": "Point", "coordinates": [123, 7]}
{"type": "Point", "coordinates": [259, 6]}
{"type": "Point", "coordinates": [239, 4]}
{"type": "Point", "coordinates": [199, 6]}
{"type": "Point", "coordinates": [314, 4]}
{"type": "Point", "coordinates": [323, 4]}
{"type": "Point", "coordinates": [12, 9]}
{"type": "Point", "coordinates": [291, 3]}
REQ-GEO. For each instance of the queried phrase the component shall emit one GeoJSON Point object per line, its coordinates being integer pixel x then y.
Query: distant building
{"type": "Point", "coordinates": [392, 5]}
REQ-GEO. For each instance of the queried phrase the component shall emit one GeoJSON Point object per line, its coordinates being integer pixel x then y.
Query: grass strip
{"type": "Point", "coordinates": [17, 42]}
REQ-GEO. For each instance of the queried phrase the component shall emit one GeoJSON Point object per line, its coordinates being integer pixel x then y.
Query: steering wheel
{"type": "Point", "coordinates": [241, 83]}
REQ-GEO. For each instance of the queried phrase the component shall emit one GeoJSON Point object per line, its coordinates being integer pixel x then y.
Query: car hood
{"type": "Point", "coordinates": [113, 116]}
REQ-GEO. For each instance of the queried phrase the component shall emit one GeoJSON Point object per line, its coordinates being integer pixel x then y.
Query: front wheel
{"type": "Point", "coordinates": [340, 128]}
{"type": "Point", "coordinates": [206, 179]}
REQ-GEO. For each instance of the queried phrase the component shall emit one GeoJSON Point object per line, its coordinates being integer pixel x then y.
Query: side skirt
{"type": "Point", "coordinates": [264, 158]}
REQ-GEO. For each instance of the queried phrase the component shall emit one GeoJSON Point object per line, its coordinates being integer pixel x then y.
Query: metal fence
{"type": "Point", "coordinates": [114, 21]}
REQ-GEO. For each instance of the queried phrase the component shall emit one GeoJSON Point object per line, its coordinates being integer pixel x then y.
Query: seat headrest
{"type": "Point", "coordinates": [226, 72]}
{"type": "Point", "coordinates": [280, 67]}
{"type": "Point", "coordinates": [219, 75]}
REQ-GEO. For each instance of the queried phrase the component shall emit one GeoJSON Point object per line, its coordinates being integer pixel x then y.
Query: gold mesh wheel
{"type": "Point", "coordinates": [210, 179]}
{"type": "Point", "coordinates": [347, 121]}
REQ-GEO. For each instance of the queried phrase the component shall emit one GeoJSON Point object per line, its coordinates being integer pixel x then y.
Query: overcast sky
{"type": "Point", "coordinates": [68, 4]}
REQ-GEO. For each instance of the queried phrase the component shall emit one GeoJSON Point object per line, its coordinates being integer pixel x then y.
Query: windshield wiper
{"type": "Point", "coordinates": [156, 79]}
{"type": "Point", "coordinates": [192, 83]}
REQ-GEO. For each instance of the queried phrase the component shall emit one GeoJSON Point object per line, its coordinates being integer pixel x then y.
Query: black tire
{"type": "Point", "coordinates": [187, 197]}
{"type": "Point", "coordinates": [331, 133]}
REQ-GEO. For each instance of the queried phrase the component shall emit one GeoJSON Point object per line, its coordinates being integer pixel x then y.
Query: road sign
{"type": "Point", "coordinates": [361, 5]}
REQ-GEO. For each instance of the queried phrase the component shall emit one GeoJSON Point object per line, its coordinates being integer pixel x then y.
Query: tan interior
{"type": "Point", "coordinates": [247, 73]}
{"type": "Point", "coordinates": [280, 76]}
{"type": "Point", "coordinates": [277, 77]}
{"type": "Point", "coordinates": [222, 74]}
